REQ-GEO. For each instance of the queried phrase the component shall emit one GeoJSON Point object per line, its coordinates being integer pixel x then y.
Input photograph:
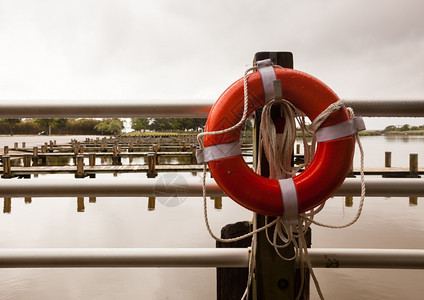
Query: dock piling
{"type": "Point", "coordinates": [7, 167]}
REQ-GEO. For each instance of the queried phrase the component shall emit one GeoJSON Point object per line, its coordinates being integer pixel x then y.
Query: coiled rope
{"type": "Point", "coordinates": [278, 150]}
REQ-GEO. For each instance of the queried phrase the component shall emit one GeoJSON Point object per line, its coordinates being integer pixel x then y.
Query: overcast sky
{"type": "Point", "coordinates": [144, 50]}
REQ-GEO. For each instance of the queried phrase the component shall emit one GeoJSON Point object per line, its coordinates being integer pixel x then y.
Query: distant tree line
{"type": "Point", "coordinates": [164, 124]}
{"type": "Point", "coordinates": [61, 126]}
{"type": "Point", "coordinates": [405, 127]}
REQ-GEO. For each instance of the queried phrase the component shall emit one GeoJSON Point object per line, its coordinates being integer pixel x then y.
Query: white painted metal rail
{"type": "Point", "coordinates": [188, 257]}
{"type": "Point", "coordinates": [375, 187]}
{"type": "Point", "coordinates": [180, 108]}
{"type": "Point", "coordinates": [199, 257]}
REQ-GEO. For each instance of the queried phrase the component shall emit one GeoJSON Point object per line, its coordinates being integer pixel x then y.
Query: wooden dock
{"type": "Point", "coordinates": [24, 161]}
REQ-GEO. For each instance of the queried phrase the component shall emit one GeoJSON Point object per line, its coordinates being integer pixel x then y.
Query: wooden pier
{"type": "Point", "coordinates": [24, 162]}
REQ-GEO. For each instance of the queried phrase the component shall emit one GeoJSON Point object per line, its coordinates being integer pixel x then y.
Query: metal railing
{"type": "Point", "coordinates": [189, 257]}
{"type": "Point", "coordinates": [180, 108]}
{"type": "Point", "coordinates": [199, 257]}
{"type": "Point", "coordinates": [376, 187]}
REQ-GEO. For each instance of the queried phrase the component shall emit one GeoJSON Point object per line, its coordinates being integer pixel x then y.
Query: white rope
{"type": "Point", "coordinates": [278, 150]}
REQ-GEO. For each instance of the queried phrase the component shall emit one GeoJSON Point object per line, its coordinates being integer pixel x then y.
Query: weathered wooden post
{"type": "Point", "coordinates": [297, 148]}
{"type": "Point", "coordinates": [275, 278]}
{"type": "Point", "coordinates": [16, 146]}
{"type": "Point", "coordinates": [7, 167]}
{"type": "Point", "coordinates": [23, 145]}
{"type": "Point", "coordinates": [27, 160]}
{"type": "Point", "coordinates": [193, 159]}
{"type": "Point", "coordinates": [92, 159]}
{"type": "Point", "coordinates": [35, 156]}
{"type": "Point", "coordinates": [80, 166]}
{"type": "Point", "coordinates": [151, 162]}
{"type": "Point", "coordinates": [155, 150]}
{"type": "Point", "coordinates": [6, 150]}
{"type": "Point", "coordinates": [116, 158]}
{"type": "Point", "coordinates": [388, 159]}
{"type": "Point", "coordinates": [413, 165]}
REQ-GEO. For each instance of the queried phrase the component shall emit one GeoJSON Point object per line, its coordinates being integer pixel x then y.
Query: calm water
{"type": "Point", "coordinates": [126, 222]}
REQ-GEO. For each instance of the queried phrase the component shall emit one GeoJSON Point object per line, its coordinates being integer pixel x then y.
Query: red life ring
{"type": "Point", "coordinates": [317, 182]}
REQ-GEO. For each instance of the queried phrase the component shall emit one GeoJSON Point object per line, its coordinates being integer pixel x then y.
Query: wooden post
{"type": "Point", "coordinates": [6, 150]}
{"type": "Point", "coordinates": [80, 166]}
{"type": "Point", "coordinates": [92, 199]}
{"type": "Point", "coordinates": [413, 165]}
{"type": "Point", "coordinates": [276, 278]}
{"type": "Point", "coordinates": [15, 147]}
{"type": "Point", "coordinates": [28, 200]}
{"type": "Point", "coordinates": [151, 161]}
{"type": "Point", "coordinates": [116, 158]}
{"type": "Point", "coordinates": [388, 159]}
{"type": "Point", "coordinates": [7, 167]}
{"type": "Point", "coordinates": [35, 156]}
{"type": "Point", "coordinates": [193, 159]}
{"type": "Point", "coordinates": [231, 282]}
{"type": "Point", "coordinates": [27, 160]}
{"type": "Point", "coordinates": [23, 145]}
{"type": "Point", "coordinates": [151, 204]}
{"type": "Point", "coordinates": [92, 159]}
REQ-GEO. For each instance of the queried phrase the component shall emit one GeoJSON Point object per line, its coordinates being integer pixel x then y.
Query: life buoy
{"type": "Point", "coordinates": [317, 182]}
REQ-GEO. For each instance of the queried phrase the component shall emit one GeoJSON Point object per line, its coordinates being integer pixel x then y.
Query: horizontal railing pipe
{"type": "Point", "coordinates": [122, 257]}
{"type": "Point", "coordinates": [199, 257]}
{"type": "Point", "coordinates": [179, 108]}
{"type": "Point", "coordinates": [185, 187]}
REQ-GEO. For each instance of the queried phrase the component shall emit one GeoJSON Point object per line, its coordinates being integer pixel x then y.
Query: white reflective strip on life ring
{"type": "Point", "coordinates": [218, 151]}
{"type": "Point", "coordinates": [268, 76]}
{"type": "Point", "coordinates": [290, 202]}
{"type": "Point", "coordinates": [340, 130]}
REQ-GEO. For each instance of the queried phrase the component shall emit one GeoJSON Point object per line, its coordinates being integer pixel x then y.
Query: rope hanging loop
{"type": "Point", "coordinates": [319, 181]}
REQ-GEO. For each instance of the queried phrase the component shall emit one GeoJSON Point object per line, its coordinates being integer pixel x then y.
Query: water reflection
{"type": "Point", "coordinates": [80, 204]}
{"type": "Point", "coordinates": [7, 205]}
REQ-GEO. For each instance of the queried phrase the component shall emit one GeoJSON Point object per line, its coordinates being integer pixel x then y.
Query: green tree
{"type": "Point", "coordinates": [405, 127]}
{"type": "Point", "coordinates": [390, 128]}
{"type": "Point", "coordinates": [11, 123]}
{"type": "Point", "coordinates": [110, 126]}
{"type": "Point", "coordinates": [139, 124]}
